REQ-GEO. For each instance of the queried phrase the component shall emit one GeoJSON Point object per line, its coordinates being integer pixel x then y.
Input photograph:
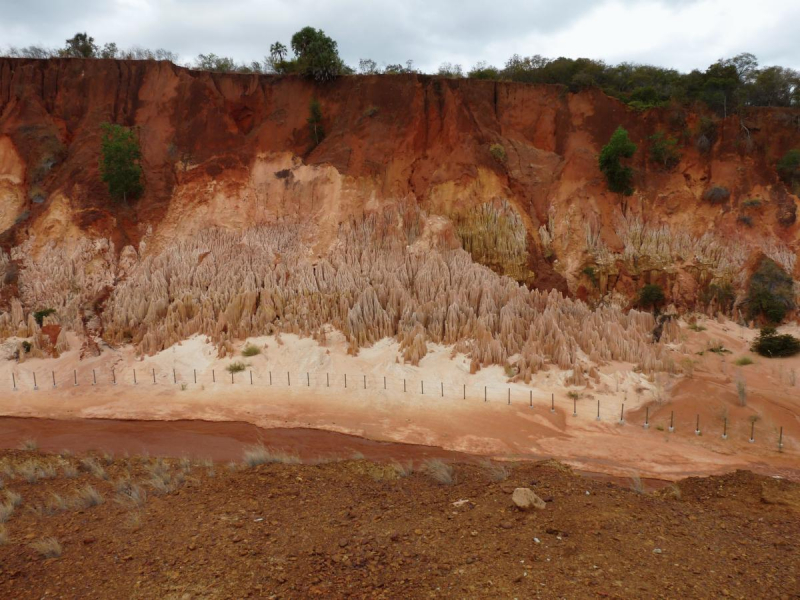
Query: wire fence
{"type": "Point", "coordinates": [35, 381]}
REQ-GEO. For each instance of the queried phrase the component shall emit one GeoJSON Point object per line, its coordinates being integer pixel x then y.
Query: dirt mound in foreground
{"type": "Point", "coordinates": [364, 529]}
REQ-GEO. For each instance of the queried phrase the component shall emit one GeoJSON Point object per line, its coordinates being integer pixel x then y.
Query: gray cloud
{"type": "Point", "coordinates": [684, 34]}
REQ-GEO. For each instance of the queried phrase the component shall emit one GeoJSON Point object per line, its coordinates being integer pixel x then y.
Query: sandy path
{"type": "Point", "coordinates": [308, 390]}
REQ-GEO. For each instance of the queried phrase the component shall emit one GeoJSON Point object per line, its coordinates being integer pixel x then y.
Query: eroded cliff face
{"type": "Point", "coordinates": [233, 151]}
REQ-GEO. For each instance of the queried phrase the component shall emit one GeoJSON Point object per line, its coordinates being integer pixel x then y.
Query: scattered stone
{"type": "Point", "coordinates": [526, 499]}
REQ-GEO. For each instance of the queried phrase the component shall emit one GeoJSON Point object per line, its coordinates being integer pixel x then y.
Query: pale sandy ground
{"type": "Point", "coordinates": [472, 425]}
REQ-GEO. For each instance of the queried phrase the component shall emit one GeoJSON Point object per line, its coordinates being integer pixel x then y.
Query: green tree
{"type": "Point", "coordinates": [317, 54]}
{"type": "Point", "coordinates": [770, 293]}
{"type": "Point", "coordinates": [80, 46]}
{"type": "Point", "coordinates": [651, 296]}
{"type": "Point", "coordinates": [315, 121]}
{"type": "Point", "coordinates": [109, 51]}
{"type": "Point", "coordinates": [618, 176]}
{"type": "Point", "coordinates": [663, 150]}
{"type": "Point", "coordinates": [788, 168]}
{"type": "Point", "coordinates": [483, 70]}
{"type": "Point", "coordinates": [119, 161]}
{"type": "Point", "coordinates": [212, 62]}
{"type": "Point", "coordinates": [277, 52]}
{"type": "Point", "coordinates": [367, 66]}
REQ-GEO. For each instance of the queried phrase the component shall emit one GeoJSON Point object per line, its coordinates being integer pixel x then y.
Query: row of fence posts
{"type": "Point", "coordinates": [646, 424]}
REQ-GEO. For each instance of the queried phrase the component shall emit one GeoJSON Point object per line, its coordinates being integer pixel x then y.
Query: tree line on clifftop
{"type": "Point", "coordinates": [725, 86]}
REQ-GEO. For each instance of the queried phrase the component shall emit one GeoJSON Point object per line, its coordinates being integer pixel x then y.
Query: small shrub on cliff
{"type": "Point", "coordinates": [498, 152]}
{"type": "Point", "coordinates": [771, 344]}
{"type": "Point", "coordinates": [770, 293]}
{"type": "Point", "coordinates": [651, 296]}
{"type": "Point", "coordinates": [717, 195]}
{"type": "Point", "coordinates": [315, 121]}
{"type": "Point", "coordinates": [618, 176]}
{"type": "Point", "coordinates": [663, 150]}
{"type": "Point", "coordinates": [119, 161]}
{"type": "Point", "coordinates": [706, 134]}
{"type": "Point", "coordinates": [789, 168]}
{"type": "Point", "coordinates": [751, 203]}
{"type": "Point", "coordinates": [39, 315]}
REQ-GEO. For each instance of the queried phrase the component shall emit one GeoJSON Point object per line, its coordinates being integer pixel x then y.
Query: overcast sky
{"type": "Point", "coordinates": [683, 34]}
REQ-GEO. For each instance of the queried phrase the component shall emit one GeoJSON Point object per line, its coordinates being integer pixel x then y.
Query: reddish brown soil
{"type": "Point", "coordinates": [216, 440]}
{"type": "Point", "coordinates": [354, 529]}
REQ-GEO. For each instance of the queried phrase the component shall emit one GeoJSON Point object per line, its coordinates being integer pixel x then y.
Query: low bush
{"type": "Point", "coordinates": [770, 293]}
{"type": "Point", "coordinates": [772, 344]}
{"type": "Point", "coordinates": [751, 203]}
{"type": "Point", "coordinates": [745, 220]}
{"type": "Point", "coordinates": [743, 361]}
{"type": "Point", "coordinates": [717, 195]}
{"type": "Point", "coordinates": [498, 152]}
{"type": "Point", "coordinates": [251, 350]}
{"type": "Point", "coordinates": [236, 367]}
{"type": "Point", "coordinates": [788, 167]}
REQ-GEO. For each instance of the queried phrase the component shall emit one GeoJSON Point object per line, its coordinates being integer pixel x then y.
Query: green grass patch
{"type": "Point", "coordinates": [251, 350]}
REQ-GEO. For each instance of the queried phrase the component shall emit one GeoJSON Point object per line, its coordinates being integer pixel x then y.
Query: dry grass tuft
{"type": "Point", "coordinates": [13, 498]}
{"type": "Point", "coordinates": [261, 455]}
{"type": "Point", "coordinates": [636, 483]}
{"type": "Point", "coordinates": [70, 471]}
{"type": "Point", "coordinates": [47, 471]}
{"type": "Point", "coordinates": [496, 471]}
{"type": "Point", "coordinates": [157, 467]}
{"type": "Point", "coordinates": [439, 471]}
{"type": "Point", "coordinates": [403, 469]}
{"type": "Point", "coordinates": [90, 465]}
{"type": "Point", "coordinates": [7, 470]}
{"type": "Point", "coordinates": [30, 471]}
{"type": "Point", "coordinates": [87, 497]}
{"type": "Point", "coordinates": [164, 482]}
{"type": "Point", "coordinates": [48, 547]}
{"type": "Point", "coordinates": [56, 504]}
{"type": "Point", "coordinates": [134, 496]}
{"type": "Point", "coordinates": [134, 520]}
{"type": "Point", "coordinates": [30, 445]}
{"type": "Point", "coordinates": [6, 510]}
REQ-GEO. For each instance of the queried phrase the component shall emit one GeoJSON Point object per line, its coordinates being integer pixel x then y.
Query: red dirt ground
{"type": "Point", "coordinates": [358, 529]}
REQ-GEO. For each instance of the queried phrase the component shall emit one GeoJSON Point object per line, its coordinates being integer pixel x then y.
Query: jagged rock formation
{"type": "Point", "coordinates": [383, 278]}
